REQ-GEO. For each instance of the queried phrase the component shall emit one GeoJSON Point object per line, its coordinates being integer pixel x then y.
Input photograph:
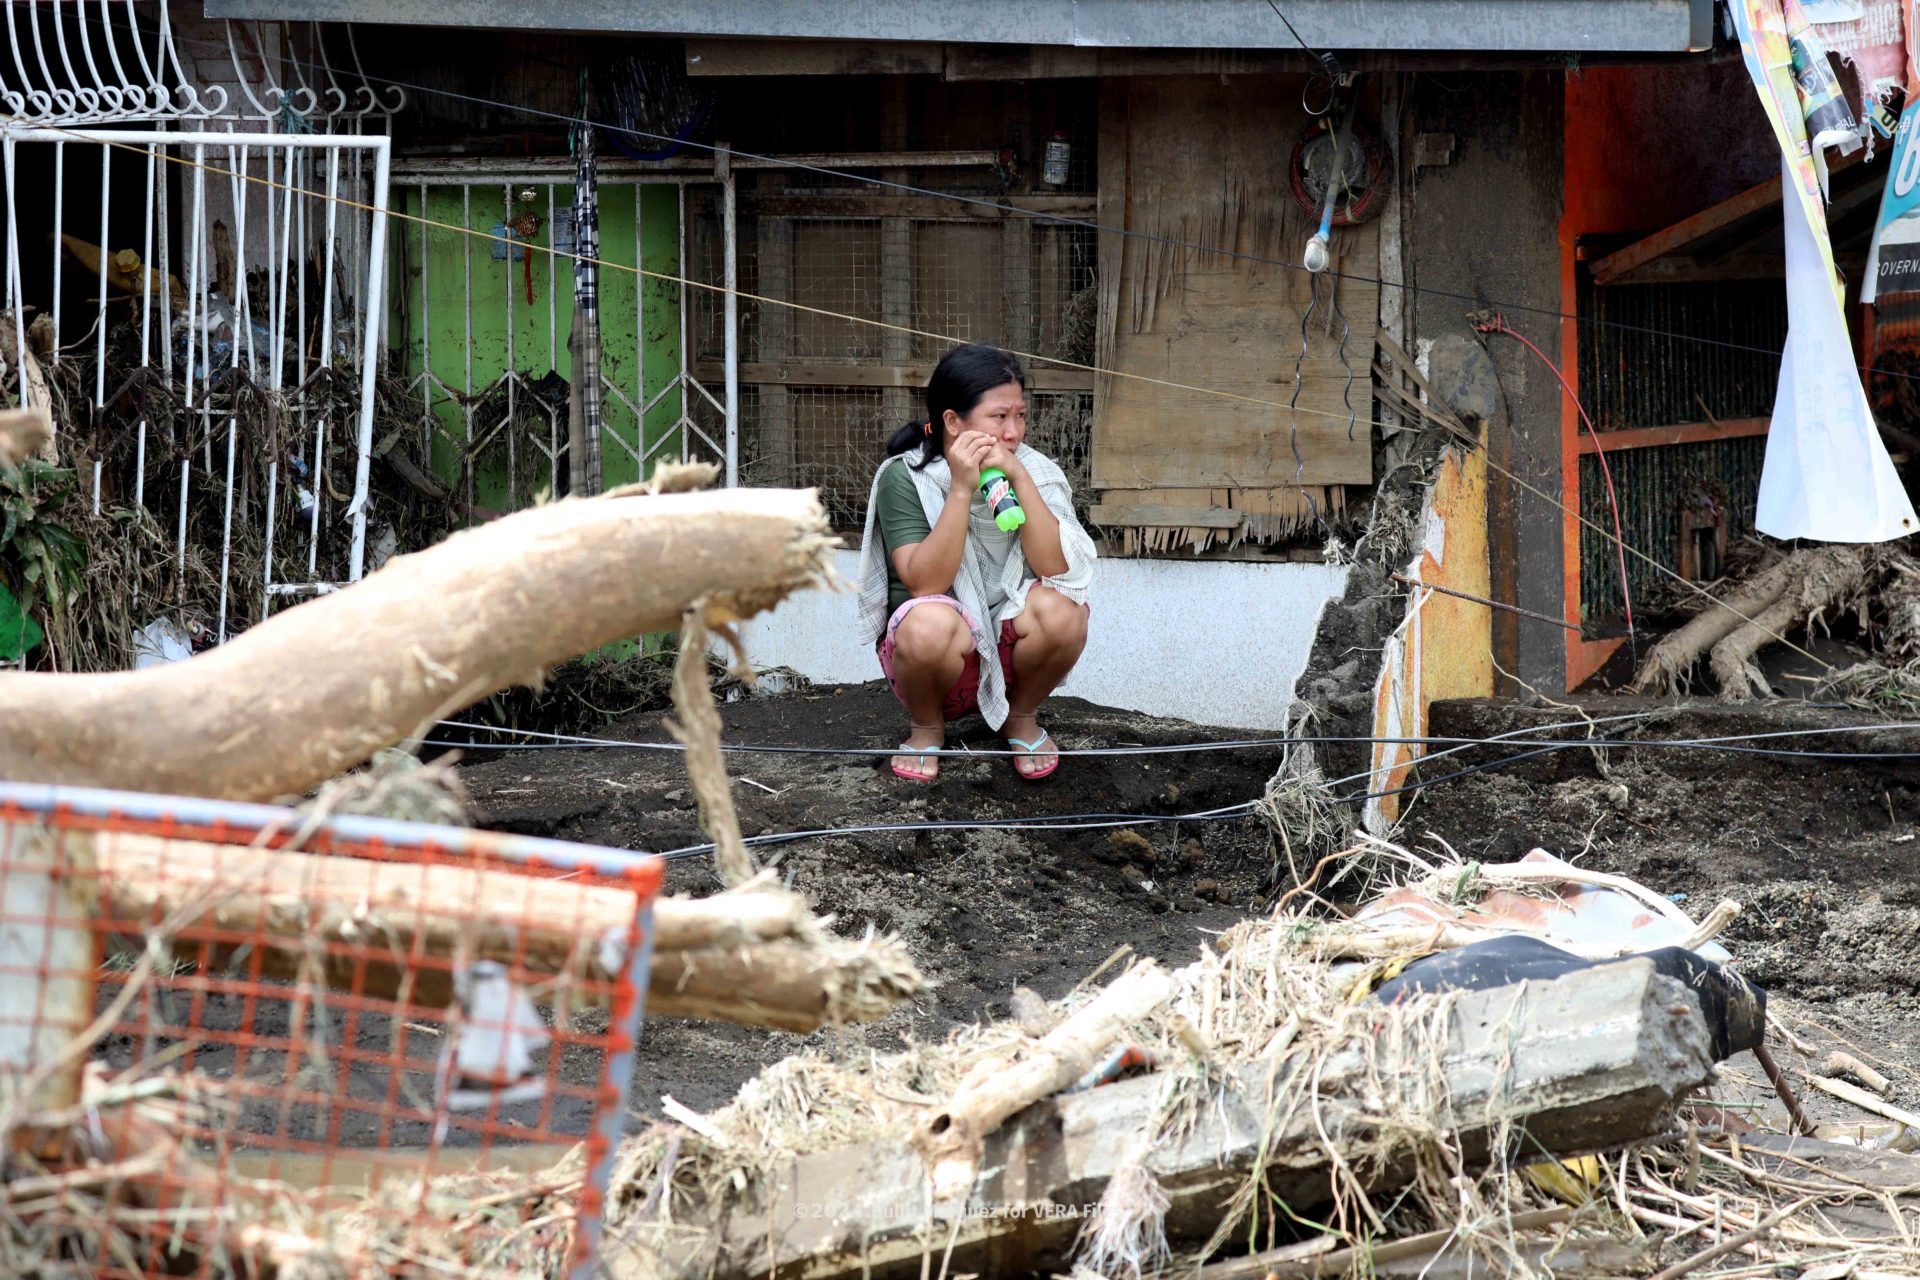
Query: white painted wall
{"type": "Point", "coordinates": [1213, 642]}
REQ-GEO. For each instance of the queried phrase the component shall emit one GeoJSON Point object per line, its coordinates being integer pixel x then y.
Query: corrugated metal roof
{"type": "Point", "coordinates": [1572, 26]}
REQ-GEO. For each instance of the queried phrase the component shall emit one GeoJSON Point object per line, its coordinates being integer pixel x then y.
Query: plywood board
{"type": "Point", "coordinates": [1153, 521]}
{"type": "Point", "coordinates": [1194, 162]}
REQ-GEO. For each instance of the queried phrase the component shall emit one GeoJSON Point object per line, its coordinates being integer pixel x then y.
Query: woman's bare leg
{"type": "Point", "coordinates": [929, 652]}
{"type": "Point", "coordinates": [1050, 635]}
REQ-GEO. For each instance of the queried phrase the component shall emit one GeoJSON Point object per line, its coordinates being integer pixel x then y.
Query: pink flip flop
{"type": "Point", "coordinates": [920, 755]}
{"type": "Point", "coordinates": [1032, 748]}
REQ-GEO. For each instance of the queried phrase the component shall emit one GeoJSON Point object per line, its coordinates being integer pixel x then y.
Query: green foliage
{"type": "Point", "coordinates": [18, 633]}
{"type": "Point", "coordinates": [41, 558]}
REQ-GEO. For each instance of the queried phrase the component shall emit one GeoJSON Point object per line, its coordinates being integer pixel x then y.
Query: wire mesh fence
{"type": "Point", "coordinates": [822, 392]}
{"type": "Point", "coordinates": [384, 1048]}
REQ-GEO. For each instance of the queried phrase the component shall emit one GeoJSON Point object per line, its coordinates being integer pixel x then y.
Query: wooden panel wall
{"type": "Point", "coordinates": [1195, 161]}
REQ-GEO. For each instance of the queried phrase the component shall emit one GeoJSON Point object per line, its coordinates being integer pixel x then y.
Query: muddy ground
{"type": "Point", "coordinates": [984, 911]}
{"type": "Point", "coordinates": [1823, 854]}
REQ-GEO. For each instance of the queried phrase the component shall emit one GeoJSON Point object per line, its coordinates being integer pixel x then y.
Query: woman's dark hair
{"type": "Point", "coordinates": [962, 377]}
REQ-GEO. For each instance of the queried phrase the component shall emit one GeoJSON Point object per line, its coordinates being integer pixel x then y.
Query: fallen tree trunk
{"type": "Point", "coordinates": [23, 434]}
{"type": "Point", "coordinates": [1590, 1060]}
{"type": "Point", "coordinates": [320, 688]}
{"type": "Point", "coordinates": [754, 956]}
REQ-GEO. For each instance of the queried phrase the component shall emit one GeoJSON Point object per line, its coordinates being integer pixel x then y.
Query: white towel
{"type": "Point", "coordinates": [990, 556]}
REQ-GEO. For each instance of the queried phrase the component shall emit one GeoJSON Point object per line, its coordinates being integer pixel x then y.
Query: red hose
{"type": "Point", "coordinates": [1499, 325]}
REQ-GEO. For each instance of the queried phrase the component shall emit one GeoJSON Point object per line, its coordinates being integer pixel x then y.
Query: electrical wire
{"type": "Point", "coordinates": [1452, 745]}
{"type": "Point", "coordinates": [947, 338]}
{"type": "Point", "coordinates": [572, 742]}
{"type": "Point", "coordinates": [1098, 821]}
{"type": "Point", "coordinates": [569, 742]}
{"type": "Point", "coordinates": [685, 282]}
{"type": "Point", "coordinates": [1499, 325]}
{"type": "Point", "coordinates": [1063, 822]}
{"type": "Point", "coordinates": [1011, 210]}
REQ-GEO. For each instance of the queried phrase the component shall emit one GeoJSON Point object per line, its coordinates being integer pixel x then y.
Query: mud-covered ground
{"type": "Point", "coordinates": [984, 910]}
{"type": "Point", "coordinates": [1822, 853]}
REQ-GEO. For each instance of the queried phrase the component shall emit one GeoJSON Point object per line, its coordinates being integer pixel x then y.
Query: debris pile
{"type": "Point", "coordinates": [1507, 1067]}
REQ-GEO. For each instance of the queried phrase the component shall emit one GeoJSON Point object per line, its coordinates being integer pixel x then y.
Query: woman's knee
{"type": "Point", "coordinates": [1061, 621]}
{"type": "Point", "coordinates": [929, 633]}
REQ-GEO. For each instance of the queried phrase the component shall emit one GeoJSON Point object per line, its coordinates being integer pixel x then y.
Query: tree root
{"type": "Point", "coordinates": [1801, 588]}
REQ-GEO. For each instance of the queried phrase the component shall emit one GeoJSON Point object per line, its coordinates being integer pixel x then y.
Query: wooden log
{"type": "Point", "coordinates": [321, 687]}
{"type": "Point", "coordinates": [328, 898]}
{"type": "Point", "coordinates": [754, 955]}
{"type": "Point", "coordinates": [787, 985]}
{"type": "Point", "coordinates": [24, 433]}
{"type": "Point", "coordinates": [1593, 1059]}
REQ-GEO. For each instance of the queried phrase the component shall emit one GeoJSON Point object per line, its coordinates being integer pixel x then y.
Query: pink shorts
{"type": "Point", "coordinates": [964, 698]}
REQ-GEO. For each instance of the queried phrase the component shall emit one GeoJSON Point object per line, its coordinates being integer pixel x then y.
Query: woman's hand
{"type": "Point", "coordinates": [1004, 458]}
{"type": "Point", "coordinates": [967, 457]}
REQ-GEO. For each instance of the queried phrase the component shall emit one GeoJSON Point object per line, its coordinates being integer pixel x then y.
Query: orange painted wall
{"type": "Point", "coordinates": [1443, 648]}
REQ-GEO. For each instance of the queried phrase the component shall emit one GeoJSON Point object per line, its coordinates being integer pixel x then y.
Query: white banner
{"type": "Point", "coordinates": [1827, 475]}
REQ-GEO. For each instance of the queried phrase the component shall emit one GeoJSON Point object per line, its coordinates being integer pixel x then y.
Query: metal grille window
{"type": "Point", "coordinates": [1683, 423]}
{"type": "Point", "coordinates": [820, 394]}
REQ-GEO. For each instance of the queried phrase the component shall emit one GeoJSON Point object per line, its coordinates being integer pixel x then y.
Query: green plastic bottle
{"type": "Point", "coordinates": [1001, 500]}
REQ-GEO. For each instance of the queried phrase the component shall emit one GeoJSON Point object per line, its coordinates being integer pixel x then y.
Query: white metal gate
{"type": "Point", "coordinates": [252, 325]}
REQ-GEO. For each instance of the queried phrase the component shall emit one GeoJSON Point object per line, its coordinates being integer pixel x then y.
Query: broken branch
{"type": "Point", "coordinates": [787, 985]}
{"type": "Point", "coordinates": [697, 726]}
{"type": "Point", "coordinates": [952, 1138]}
{"type": "Point", "coordinates": [1865, 1101]}
{"type": "Point", "coordinates": [24, 433]}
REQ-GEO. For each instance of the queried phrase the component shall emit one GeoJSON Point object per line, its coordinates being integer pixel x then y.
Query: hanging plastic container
{"type": "Point", "coordinates": [1059, 155]}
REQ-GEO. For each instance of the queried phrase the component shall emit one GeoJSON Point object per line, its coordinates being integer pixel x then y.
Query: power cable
{"type": "Point", "coordinates": [1451, 745]}
{"type": "Point", "coordinates": [1498, 324]}
{"type": "Point", "coordinates": [569, 742]}
{"type": "Point", "coordinates": [685, 282]}
{"type": "Point", "coordinates": [1326, 60]}
{"type": "Point", "coordinates": [1012, 210]}
{"type": "Point", "coordinates": [1099, 821]}
{"type": "Point", "coordinates": [1064, 822]}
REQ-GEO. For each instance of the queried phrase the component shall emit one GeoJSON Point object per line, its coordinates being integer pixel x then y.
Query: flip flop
{"type": "Point", "coordinates": [920, 755]}
{"type": "Point", "coordinates": [1033, 748]}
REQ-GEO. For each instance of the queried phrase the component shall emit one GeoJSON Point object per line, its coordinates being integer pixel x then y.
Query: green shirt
{"type": "Point", "coordinates": [902, 522]}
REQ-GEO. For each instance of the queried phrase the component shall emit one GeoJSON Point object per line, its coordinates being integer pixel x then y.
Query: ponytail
{"type": "Point", "coordinates": [963, 376]}
{"type": "Point", "coordinates": [920, 435]}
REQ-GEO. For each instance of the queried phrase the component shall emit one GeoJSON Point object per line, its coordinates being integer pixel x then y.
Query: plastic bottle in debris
{"type": "Point", "coordinates": [1058, 156]}
{"type": "Point", "coordinates": [997, 491]}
